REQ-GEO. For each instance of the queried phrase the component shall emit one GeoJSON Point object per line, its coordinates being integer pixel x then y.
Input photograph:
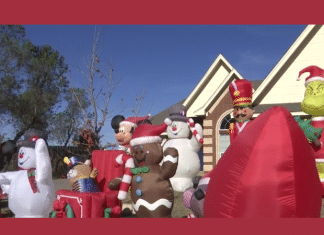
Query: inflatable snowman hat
{"type": "Point", "coordinates": [178, 112]}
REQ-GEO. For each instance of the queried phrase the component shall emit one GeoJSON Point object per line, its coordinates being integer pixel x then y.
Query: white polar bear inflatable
{"type": "Point", "coordinates": [31, 193]}
{"type": "Point", "coordinates": [178, 133]}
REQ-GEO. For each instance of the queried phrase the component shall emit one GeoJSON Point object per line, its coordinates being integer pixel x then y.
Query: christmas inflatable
{"type": "Point", "coordinates": [82, 178]}
{"type": "Point", "coordinates": [267, 172]}
{"type": "Point", "coordinates": [124, 129]}
{"type": "Point", "coordinates": [185, 136]}
{"type": "Point", "coordinates": [90, 197]}
{"type": "Point", "coordinates": [241, 94]}
{"type": "Point", "coordinates": [31, 189]}
{"type": "Point", "coordinates": [151, 190]}
{"type": "Point", "coordinates": [313, 104]}
{"type": "Point", "coordinates": [194, 198]}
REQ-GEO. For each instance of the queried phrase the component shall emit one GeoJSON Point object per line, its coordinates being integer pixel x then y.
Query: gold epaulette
{"type": "Point", "coordinates": [231, 128]}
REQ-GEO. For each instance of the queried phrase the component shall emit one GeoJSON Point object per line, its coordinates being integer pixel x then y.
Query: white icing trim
{"type": "Point", "coordinates": [170, 159]}
{"type": "Point", "coordinates": [318, 119]}
{"type": "Point", "coordinates": [319, 160]}
{"type": "Point", "coordinates": [153, 206]}
{"type": "Point", "coordinates": [146, 140]}
{"type": "Point", "coordinates": [204, 181]}
{"type": "Point", "coordinates": [127, 179]}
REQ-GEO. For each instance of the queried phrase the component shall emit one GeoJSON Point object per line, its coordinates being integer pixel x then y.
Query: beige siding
{"type": "Point", "coordinates": [216, 80]}
{"type": "Point", "coordinates": [288, 89]}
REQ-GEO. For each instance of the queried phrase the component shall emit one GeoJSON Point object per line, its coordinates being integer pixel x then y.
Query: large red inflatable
{"type": "Point", "coordinates": [267, 172]}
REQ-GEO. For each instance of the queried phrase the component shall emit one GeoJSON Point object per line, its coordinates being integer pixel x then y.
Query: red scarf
{"type": "Point", "coordinates": [31, 178]}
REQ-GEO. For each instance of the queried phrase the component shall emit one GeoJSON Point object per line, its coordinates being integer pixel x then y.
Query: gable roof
{"type": "Point", "coordinates": [283, 75]}
{"type": "Point", "coordinates": [215, 81]}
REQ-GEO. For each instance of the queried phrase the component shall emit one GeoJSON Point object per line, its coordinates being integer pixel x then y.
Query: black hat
{"type": "Point", "coordinates": [178, 112]}
{"type": "Point", "coordinates": [30, 138]}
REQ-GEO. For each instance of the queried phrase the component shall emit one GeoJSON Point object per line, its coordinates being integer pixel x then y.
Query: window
{"type": "Point", "coordinates": [225, 122]}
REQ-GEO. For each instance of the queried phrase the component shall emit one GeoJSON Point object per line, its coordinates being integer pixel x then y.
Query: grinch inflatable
{"type": "Point", "coordinates": [313, 104]}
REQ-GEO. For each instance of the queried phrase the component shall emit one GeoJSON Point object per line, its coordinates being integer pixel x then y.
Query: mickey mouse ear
{"type": "Point", "coordinates": [116, 120]}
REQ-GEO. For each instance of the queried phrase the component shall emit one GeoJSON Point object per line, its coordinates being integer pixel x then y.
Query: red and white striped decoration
{"type": "Point", "coordinates": [127, 177]}
{"type": "Point", "coordinates": [191, 216]}
{"type": "Point", "coordinates": [191, 125]}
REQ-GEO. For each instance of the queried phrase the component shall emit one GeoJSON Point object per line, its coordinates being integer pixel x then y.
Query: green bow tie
{"type": "Point", "coordinates": [138, 170]}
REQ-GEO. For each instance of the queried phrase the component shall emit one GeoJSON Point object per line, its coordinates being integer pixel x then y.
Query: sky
{"type": "Point", "coordinates": [167, 60]}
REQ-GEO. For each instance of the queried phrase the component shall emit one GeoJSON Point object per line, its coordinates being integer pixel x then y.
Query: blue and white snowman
{"type": "Point", "coordinates": [31, 191]}
{"type": "Point", "coordinates": [188, 145]}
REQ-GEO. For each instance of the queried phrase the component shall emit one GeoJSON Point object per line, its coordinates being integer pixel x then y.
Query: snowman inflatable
{"type": "Point", "coordinates": [185, 136]}
{"type": "Point", "coordinates": [31, 191]}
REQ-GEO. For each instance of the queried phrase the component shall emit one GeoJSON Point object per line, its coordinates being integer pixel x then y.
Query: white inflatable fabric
{"type": "Point", "coordinates": [188, 161]}
{"type": "Point", "coordinates": [23, 202]}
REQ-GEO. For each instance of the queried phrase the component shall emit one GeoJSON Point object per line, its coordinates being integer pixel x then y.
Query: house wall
{"type": "Point", "coordinates": [215, 81]}
{"type": "Point", "coordinates": [211, 130]}
{"type": "Point", "coordinates": [285, 88]}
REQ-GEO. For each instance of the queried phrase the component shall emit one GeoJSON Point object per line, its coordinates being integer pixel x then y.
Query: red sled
{"type": "Point", "coordinates": [105, 204]}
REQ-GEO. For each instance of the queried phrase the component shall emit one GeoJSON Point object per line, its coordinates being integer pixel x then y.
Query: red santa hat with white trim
{"type": "Point", "coordinates": [316, 74]}
{"type": "Point", "coordinates": [147, 133]}
{"type": "Point", "coordinates": [133, 121]}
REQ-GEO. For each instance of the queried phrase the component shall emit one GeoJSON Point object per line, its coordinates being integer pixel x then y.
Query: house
{"type": "Point", "coordinates": [210, 102]}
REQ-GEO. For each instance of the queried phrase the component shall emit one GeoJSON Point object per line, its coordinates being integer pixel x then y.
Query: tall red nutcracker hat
{"type": "Point", "coordinates": [133, 121]}
{"type": "Point", "coordinates": [147, 133]}
{"type": "Point", "coordinates": [241, 92]}
{"type": "Point", "coordinates": [316, 74]}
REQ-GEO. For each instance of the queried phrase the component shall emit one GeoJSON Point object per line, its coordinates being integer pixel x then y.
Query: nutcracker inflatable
{"type": "Point", "coordinates": [269, 171]}
{"type": "Point", "coordinates": [151, 190]}
{"type": "Point", "coordinates": [313, 104]}
{"type": "Point", "coordinates": [31, 189]}
{"type": "Point", "coordinates": [241, 94]}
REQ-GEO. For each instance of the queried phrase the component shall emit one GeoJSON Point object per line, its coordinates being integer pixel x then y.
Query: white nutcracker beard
{"type": "Point", "coordinates": [29, 158]}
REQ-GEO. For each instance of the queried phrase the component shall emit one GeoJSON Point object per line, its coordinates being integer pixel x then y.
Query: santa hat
{"type": "Point", "coordinates": [316, 74]}
{"type": "Point", "coordinates": [133, 121]}
{"type": "Point", "coordinates": [147, 133]}
{"type": "Point", "coordinates": [241, 92]}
